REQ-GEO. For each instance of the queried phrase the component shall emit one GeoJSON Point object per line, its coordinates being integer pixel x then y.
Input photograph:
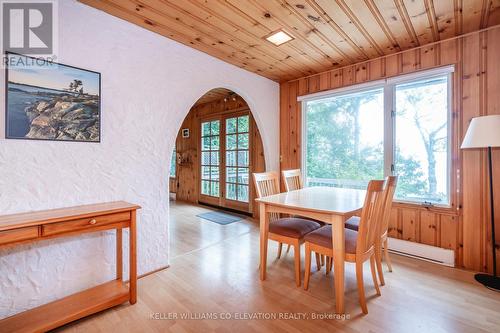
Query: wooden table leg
{"type": "Point", "coordinates": [338, 261]}
{"type": "Point", "coordinates": [264, 231]}
{"type": "Point", "coordinates": [133, 259]}
{"type": "Point", "coordinates": [119, 254]}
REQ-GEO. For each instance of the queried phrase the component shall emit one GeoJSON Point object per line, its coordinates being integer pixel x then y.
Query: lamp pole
{"type": "Point", "coordinates": [492, 204]}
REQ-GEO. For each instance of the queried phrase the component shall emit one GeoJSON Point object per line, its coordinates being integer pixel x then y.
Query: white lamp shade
{"type": "Point", "coordinates": [483, 132]}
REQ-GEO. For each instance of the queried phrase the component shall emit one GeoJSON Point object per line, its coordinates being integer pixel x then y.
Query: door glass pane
{"type": "Point", "coordinates": [231, 125]}
{"type": "Point", "coordinates": [214, 143]}
{"type": "Point", "coordinates": [243, 158]}
{"type": "Point", "coordinates": [205, 158]}
{"type": "Point", "coordinates": [243, 141]}
{"type": "Point", "coordinates": [210, 156]}
{"type": "Point", "coordinates": [214, 173]}
{"type": "Point", "coordinates": [230, 158]}
{"type": "Point", "coordinates": [205, 187]}
{"type": "Point", "coordinates": [231, 191]}
{"type": "Point", "coordinates": [214, 158]}
{"type": "Point", "coordinates": [214, 189]}
{"type": "Point", "coordinates": [205, 143]}
{"type": "Point", "coordinates": [237, 154]}
{"type": "Point", "coordinates": [205, 172]}
{"type": "Point", "coordinates": [205, 129]}
{"type": "Point", "coordinates": [243, 193]}
{"type": "Point", "coordinates": [215, 127]}
{"type": "Point", "coordinates": [345, 139]}
{"type": "Point", "coordinates": [231, 142]}
{"type": "Point", "coordinates": [243, 175]}
{"type": "Point", "coordinates": [421, 141]}
{"type": "Point", "coordinates": [243, 124]}
{"type": "Point", "coordinates": [231, 175]}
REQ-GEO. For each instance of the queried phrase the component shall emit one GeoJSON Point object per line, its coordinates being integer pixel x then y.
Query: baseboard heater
{"type": "Point", "coordinates": [425, 252]}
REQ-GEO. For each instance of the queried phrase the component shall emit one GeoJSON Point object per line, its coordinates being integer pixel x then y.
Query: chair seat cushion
{"type": "Point", "coordinates": [353, 223]}
{"type": "Point", "coordinates": [323, 237]}
{"type": "Point", "coordinates": [294, 227]}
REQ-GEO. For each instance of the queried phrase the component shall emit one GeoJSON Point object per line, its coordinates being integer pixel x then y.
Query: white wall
{"type": "Point", "coordinates": [148, 85]}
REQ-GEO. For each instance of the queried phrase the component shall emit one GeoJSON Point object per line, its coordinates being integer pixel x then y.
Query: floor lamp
{"type": "Point", "coordinates": [484, 132]}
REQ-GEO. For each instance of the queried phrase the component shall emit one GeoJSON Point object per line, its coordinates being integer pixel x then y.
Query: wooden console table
{"type": "Point", "coordinates": [33, 226]}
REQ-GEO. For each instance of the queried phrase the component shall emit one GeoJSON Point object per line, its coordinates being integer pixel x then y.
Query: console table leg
{"type": "Point", "coordinates": [133, 259]}
{"type": "Point", "coordinates": [119, 255]}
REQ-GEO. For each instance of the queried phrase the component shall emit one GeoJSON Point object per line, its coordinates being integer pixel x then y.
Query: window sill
{"type": "Point", "coordinates": [440, 209]}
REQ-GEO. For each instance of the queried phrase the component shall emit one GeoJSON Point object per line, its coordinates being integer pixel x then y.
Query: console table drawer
{"type": "Point", "coordinates": [82, 224]}
{"type": "Point", "coordinates": [16, 235]}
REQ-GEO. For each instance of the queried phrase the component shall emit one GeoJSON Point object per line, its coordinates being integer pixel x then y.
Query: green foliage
{"type": "Point", "coordinates": [334, 151]}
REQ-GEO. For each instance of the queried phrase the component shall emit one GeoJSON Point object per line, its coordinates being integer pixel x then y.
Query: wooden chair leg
{"type": "Point", "coordinates": [378, 260]}
{"type": "Point", "coordinates": [386, 256]}
{"type": "Point", "coordinates": [361, 286]}
{"type": "Point", "coordinates": [296, 252]}
{"type": "Point", "coordinates": [307, 272]}
{"type": "Point", "coordinates": [288, 248]}
{"type": "Point", "coordinates": [331, 264]}
{"type": "Point", "coordinates": [318, 262]}
{"type": "Point", "coordinates": [374, 274]}
{"type": "Point", "coordinates": [322, 257]}
{"type": "Point", "coordinates": [328, 265]}
{"type": "Point", "coordinates": [280, 247]}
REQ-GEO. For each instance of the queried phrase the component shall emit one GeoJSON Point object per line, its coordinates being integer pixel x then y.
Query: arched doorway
{"type": "Point", "coordinates": [217, 148]}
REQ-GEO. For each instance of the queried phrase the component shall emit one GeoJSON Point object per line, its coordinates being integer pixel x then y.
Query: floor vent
{"type": "Point", "coordinates": [425, 252]}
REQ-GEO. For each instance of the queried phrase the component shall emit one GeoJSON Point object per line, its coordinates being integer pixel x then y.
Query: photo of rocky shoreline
{"type": "Point", "coordinates": [66, 107]}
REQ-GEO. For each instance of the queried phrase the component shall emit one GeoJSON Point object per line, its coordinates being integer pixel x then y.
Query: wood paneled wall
{"type": "Point", "coordinates": [476, 92]}
{"type": "Point", "coordinates": [187, 180]}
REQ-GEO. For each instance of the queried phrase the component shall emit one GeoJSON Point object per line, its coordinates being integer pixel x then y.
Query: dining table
{"type": "Point", "coordinates": [326, 204]}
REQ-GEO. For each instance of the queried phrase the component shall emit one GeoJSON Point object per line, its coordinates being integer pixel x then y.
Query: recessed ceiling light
{"type": "Point", "coordinates": [279, 37]}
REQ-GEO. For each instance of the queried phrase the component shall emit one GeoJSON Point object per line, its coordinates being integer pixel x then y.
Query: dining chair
{"type": "Point", "coordinates": [290, 230]}
{"type": "Point", "coordinates": [359, 245]}
{"type": "Point", "coordinates": [292, 179]}
{"type": "Point", "coordinates": [353, 224]}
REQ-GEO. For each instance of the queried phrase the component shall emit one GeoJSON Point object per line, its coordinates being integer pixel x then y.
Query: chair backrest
{"type": "Point", "coordinates": [292, 179]}
{"type": "Point", "coordinates": [390, 185]}
{"type": "Point", "coordinates": [267, 183]}
{"type": "Point", "coordinates": [370, 216]}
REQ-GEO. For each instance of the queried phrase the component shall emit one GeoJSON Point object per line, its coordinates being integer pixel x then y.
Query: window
{"type": "Point", "coordinates": [210, 158]}
{"type": "Point", "coordinates": [173, 163]}
{"type": "Point", "coordinates": [421, 140]}
{"type": "Point", "coordinates": [237, 158]}
{"type": "Point", "coordinates": [345, 139]}
{"type": "Point", "coordinates": [397, 126]}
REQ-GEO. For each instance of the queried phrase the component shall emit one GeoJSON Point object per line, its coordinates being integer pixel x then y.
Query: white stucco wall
{"type": "Point", "coordinates": [148, 85]}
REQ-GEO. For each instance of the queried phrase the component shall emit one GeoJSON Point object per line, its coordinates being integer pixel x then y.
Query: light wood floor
{"type": "Point", "coordinates": [214, 269]}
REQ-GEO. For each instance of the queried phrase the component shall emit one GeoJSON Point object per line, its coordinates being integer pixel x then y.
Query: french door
{"type": "Point", "coordinates": [225, 158]}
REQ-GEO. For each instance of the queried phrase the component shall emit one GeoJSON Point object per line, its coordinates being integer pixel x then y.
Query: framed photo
{"type": "Point", "coordinates": [50, 101]}
{"type": "Point", "coordinates": [185, 132]}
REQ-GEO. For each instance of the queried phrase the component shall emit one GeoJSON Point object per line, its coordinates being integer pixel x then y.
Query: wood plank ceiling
{"type": "Point", "coordinates": [327, 33]}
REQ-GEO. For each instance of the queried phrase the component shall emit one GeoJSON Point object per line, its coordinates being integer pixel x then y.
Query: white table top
{"type": "Point", "coordinates": [339, 201]}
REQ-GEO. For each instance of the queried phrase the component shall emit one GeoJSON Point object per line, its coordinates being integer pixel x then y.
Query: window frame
{"type": "Point", "coordinates": [389, 87]}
